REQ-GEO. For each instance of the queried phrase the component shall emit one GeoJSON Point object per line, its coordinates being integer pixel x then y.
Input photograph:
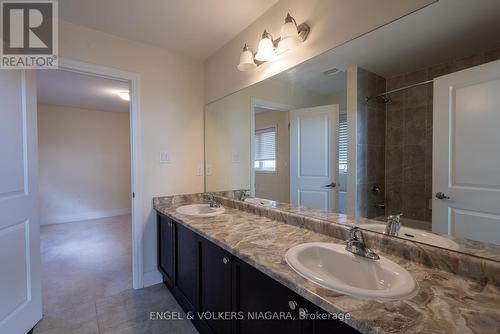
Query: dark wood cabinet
{"type": "Point", "coordinates": [166, 249]}
{"type": "Point", "coordinates": [203, 277]}
{"type": "Point", "coordinates": [215, 285]}
{"type": "Point", "coordinates": [187, 268]}
{"type": "Point", "coordinates": [260, 299]}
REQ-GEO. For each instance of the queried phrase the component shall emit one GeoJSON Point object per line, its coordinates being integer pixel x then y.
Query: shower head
{"type": "Point", "coordinates": [382, 98]}
{"type": "Point", "coordinates": [385, 99]}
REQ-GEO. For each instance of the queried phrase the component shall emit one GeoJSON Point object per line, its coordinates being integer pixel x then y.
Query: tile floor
{"type": "Point", "coordinates": [87, 283]}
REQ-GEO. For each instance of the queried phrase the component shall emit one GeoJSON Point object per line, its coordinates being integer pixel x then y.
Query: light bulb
{"type": "Point", "coordinates": [265, 52]}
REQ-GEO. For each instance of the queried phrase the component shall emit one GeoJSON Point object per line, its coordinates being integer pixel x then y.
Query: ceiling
{"type": "Point", "coordinates": [196, 28]}
{"type": "Point", "coordinates": [70, 89]}
{"type": "Point", "coordinates": [445, 30]}
{"type": "Point", "coordinates": [311, 77]}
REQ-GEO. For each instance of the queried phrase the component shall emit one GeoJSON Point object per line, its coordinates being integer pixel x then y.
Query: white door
{"type": "Point", "coordinates": [314, 156]}
{"type": "Point", "coordinates": [20, 281]}
{"type": "Point", "coordinates": [466, 154]}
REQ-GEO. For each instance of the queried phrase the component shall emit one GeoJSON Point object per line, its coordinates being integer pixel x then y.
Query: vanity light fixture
{"type": "Point", "coordinates": [124, 95]}
{"type": "Point", "coordinates": [291, 36]}
{"type": "Point", "coordinates": [246, 60]}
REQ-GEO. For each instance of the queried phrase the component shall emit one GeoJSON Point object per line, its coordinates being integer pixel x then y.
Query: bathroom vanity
{"type": "Point", "coordinates": [235, 262]}
{"type": "Point", "coordinates": [204, 277]}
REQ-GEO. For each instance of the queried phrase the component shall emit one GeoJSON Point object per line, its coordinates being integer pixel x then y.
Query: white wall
{"type": "Point", "coordinates": [332, 22]}
{"type": "Point", "coordinates": [84, 163]}
{"type": "Point", "coordinates": [171, 114]}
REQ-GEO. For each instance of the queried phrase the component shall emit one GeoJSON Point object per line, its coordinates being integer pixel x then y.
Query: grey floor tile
{"type": "Point", "coordinates": [87, 283]}
{"type": "Point", "coordinates": [55, 325]}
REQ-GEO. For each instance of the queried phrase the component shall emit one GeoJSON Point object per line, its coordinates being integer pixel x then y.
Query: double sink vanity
{"type": "Point", "coordinates": [248, 267]}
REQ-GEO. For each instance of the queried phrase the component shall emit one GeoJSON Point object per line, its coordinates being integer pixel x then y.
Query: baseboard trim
{"type": "Point", "coordinates": [84, 216]}
{"type": "Point", "coordinates": [152, 278]}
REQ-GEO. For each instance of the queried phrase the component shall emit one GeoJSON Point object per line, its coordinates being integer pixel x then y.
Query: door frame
{"type": "Point", "coordinates": [255, 102]}
{"type": "Point", "coordinates": [135, 153]}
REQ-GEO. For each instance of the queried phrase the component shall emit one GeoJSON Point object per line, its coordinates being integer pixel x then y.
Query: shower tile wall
{"type": "Point", "coordinates": [370, 157]}
{"type": "Point", "coordinates": [408, 139]}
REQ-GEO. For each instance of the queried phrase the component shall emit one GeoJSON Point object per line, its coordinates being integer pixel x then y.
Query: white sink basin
{"type": "Point", "coordinates": [416, 235]}
{"type": "Point", "coordinates": [259, 201]}
{"type": "Point", "coordinates": [332, 267]}
{"type": "Point", "coordinates": [200, 210]}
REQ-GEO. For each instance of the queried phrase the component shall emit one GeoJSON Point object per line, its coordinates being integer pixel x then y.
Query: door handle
{"type": "Point", "coordinates": [441, 195]}
{"type": "Point", "coordinates": [331, 185]}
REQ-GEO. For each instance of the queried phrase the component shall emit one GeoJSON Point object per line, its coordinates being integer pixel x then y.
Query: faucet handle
{"type": "Point", "coordinates": [396, 217]}
{"type": "Point", "coordinates": [356, 234]}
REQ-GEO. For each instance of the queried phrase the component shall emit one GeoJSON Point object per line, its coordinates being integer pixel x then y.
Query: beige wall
{"type": "Point", "coordinates": [227, 130]}
{"type": "Point", "coordinates": [171, 114]}
{"type": "Point", "coordinates": [84, 163]}
{"type": "Point", "coordinates": [275, 185]}
{"type": "Point", "coordinates": [332, 22]}
{"type": "Point", "coordinates": [339, 98]}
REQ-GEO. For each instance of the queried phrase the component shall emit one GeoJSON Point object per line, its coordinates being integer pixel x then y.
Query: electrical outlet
{"type": "Point", "coordinates": [236, 157]}
{"type": "Point", "coordinates": [208, 169]}
{"type": "Point", "coordinates": [165, 157]}
{"type": "Point", "coordinates": [199, 170]}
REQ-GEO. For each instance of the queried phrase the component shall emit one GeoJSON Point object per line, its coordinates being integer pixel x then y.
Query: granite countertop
{"type": "Point", "coordinates": [466, 246]}
{"type": "Point", "coordinates": [445, 303]}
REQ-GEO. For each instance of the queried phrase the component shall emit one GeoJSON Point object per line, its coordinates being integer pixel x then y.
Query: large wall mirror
{"type": "Point", "coordinates": [403, 120]}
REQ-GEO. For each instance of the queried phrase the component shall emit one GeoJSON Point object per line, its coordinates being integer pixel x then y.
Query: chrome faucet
{"type": "Point", "coordinates": [212, 201]}
{"type": "Point", "coordinates": [356, 245]}
{"type": "Point", "coordinates": [393, 224]}
{"type": "Point", "coordinates": [244, 195]}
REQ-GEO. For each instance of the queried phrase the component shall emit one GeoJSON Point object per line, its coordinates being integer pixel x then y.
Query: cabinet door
{"type": "Point", "coordinates": [186, 266]}
{"type": "Point", "coordinates": [215, 285]}
{"type": "Point", "coordinates": [166, 247]}
{"type": "Point", "coordinates": [254, 294]}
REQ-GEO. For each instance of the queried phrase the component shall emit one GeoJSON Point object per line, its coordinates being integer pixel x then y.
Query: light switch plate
{"type": "Point", "coordinates": [165, 157]}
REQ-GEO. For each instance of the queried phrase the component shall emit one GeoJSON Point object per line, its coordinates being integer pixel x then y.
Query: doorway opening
{"type": "Point", "coordinates": [88, 146]}
{"type": "Point", "coordinates": [284, 142]}
{"type": "Point", "coordinates": [270, 149]}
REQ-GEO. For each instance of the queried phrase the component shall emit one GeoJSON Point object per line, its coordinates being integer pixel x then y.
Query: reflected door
{"type": "Point", "coordinates": [20, 281]}
{"type": "Point", "coordinates": [314, 156]}
{"type": "Point", "coordinates": [466, 154]}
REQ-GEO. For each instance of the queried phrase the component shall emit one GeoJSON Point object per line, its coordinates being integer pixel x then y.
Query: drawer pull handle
{"type": "Point", "coordinates": [303, 312]}
{"type": "Point", "coordinates": [225, 260]}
